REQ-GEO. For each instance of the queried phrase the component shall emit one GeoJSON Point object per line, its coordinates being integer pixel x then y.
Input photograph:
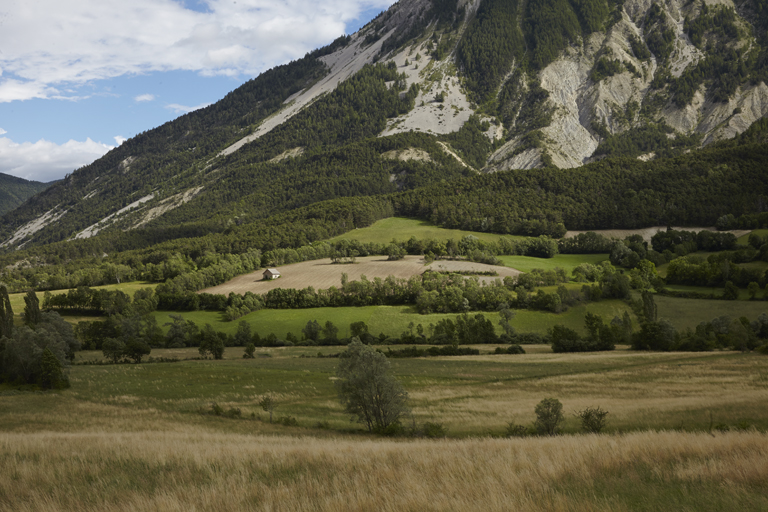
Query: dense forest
{"type": "Point", "coordinates": [14, 191]}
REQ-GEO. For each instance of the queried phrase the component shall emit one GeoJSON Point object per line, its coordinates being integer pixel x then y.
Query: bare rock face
{"type": "Point", "coordinates": [583, 107]}
{"type": "Point", "coordinates": [727, 120]}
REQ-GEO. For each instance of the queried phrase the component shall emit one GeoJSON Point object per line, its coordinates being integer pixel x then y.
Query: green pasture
{"type": "Point", "coordinates": [472, 395]}
{"type": "Point", "coordinates": [402, 229]}
{"type": "Point", "coordinates": [684, 313]}
{"type": "Point", "coordinates": [391, 320]}
{"type": "Point", "coordinates": [565, 261]}
{"type": "Point", "coordinates": [744, 239]}
{"type": "Point", "coordinates": [394, 320]}
{"type": "Point", "coordinates": [131, 287]}
{"type": "Point", "coordinates": [743, 293]}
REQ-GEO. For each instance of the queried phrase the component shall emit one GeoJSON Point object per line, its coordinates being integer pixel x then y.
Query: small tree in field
{"type": "Point", "coordinates": [549, 415]}
{"type": "Point", "coordinates": [136, 350]}
{"type": "Point", "coordinates": [113, 349]}
{"type": "Point", "coordinates": [366, 388]}
{"type": "Point", "coordinates": [268, 403]}
{"type": "Point", "coordinates": [592, 419]}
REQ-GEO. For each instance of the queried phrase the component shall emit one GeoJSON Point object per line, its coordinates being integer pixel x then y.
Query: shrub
{"type": "Point", "coordinates": [288, 421]}
{"type": "Point", "coordinates": [549, 415]}
{"type": "Point", "coordinates": [136, 349]}
{"type": "Point", "coordinates": [512, 349]}
{"type": "Point", "coordinates": [434, 430]}
{"type": "Point", "coordinates": [233, 412]}
{"type": "Point", "coordinates": [592, 419]}
{"type": "Point", "coordinates": [515, 430]}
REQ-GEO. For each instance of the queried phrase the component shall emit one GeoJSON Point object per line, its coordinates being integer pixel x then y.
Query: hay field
{"type": "Point", "coordinates": [470, 395]}
{"type": "Point", "coordinates": [196, 469]}
{"type": "Point", "coordinates": [131, 437]}
{"type": "Point", "coordinates": [322, 274]}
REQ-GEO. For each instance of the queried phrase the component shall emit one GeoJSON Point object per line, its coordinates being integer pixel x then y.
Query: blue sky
{"type": "Point", "coordinates": [77, 77]}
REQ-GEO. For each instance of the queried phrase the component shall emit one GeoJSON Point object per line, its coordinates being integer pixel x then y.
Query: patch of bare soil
{"type": "Point", "coordinates": [322, 274]}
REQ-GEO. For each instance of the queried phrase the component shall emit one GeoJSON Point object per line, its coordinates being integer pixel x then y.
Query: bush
{"type": "Point", "coordinates": [234, 412]}
{"type": "Point", "coordinates": [288, 421]}
{"type": "Point", "coordinates": [113, 349]}
{"type": "Point", "coordinates": [592, 419]}
{"type": "Point", "coordinates": [136, 350]}
{"type": "Point", "coordinates": [512, 349]}
{"type": "Point", "coordinates": [515, 430]}
{"type": "Point", "coordinates": [434, 430]}
{"type": "Point", "coordinates": [549, 415]}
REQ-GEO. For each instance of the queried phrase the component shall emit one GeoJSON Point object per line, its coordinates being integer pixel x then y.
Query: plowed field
{"type": "Point", "coordinates": [322, 274]}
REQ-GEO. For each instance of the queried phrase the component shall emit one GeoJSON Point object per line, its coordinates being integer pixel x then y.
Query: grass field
{"type": "Point", "coordinates": [17, 299]}
{"type": "Point", "coordinates": [137, 437]}
{"type": "Point", "coordinates": [744, 239]}
{"type": "Point", "coordinates": [565, 261]}
{"type": "Point", "coordinates": [743, 293]}
{"type": "Point", "coordinates": [470, 395]}
{"type": "Point", "coordinates": [402, 229]}
{"type": "Point", "coordinates": [194, 468]}
{"type": "Point", "coordinates": [391, 320]}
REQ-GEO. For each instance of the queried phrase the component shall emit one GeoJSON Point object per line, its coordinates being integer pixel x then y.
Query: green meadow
{"type": "Point", "coordinates": [565, 261]}
{"type": "Point", "coordinates": [401, 229]}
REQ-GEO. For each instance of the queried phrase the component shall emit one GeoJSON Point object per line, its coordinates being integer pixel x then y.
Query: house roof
{"type": "Point", "coordinates": [272, 271]}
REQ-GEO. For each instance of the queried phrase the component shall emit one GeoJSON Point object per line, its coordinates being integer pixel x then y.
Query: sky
{"type": "Point", "coordinates": [79, 77]}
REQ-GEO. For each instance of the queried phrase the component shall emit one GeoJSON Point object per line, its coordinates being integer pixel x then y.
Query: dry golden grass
{"type": "Point", "coordinates": [195, 469]}
{"type": "Point", "coordinates": [129, 437]}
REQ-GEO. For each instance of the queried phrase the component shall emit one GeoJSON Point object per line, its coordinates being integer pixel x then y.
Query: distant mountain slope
{"type": "Point", "coordinates": [14, 191]}
{"type": "Point", "coordinates": [462, 86]}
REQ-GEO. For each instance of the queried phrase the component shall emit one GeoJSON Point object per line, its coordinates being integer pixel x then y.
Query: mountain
{"type": "Point", "coordinates": [14, 191]}
{"type": "Point", "coordinates": [429, 92]}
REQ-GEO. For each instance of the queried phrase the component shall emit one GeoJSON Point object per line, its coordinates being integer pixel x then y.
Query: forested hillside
{"type": "Point", "coordinates": [14, 191]}
{"type": "Point", "coordinates": [443, 95]}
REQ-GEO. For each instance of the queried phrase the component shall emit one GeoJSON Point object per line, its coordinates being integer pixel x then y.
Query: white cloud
{"type": "Point", "coordinates": [119, 139]}
{"type": "Point", "coordinates": [48, 45]}
{"type": "Point", "coordinates": [45, 161]}
{"type": "Point", "coordinates": [144, 97]}
{"type": "Point", "coordinates": [2, 132]}
{"type": "Point", "coordinates": [183, 109]}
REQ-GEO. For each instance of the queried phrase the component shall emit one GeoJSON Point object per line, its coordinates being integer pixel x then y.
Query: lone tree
{"type": "Point", "coordinates": [549, 415]}
{"type": "Point", "coordinates": [366, 388]}
{"type": "Point", "coordinates": [268, 403]}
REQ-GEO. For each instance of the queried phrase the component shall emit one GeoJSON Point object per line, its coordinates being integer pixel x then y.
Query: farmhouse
{"type": "Point", "coordinates": [271, 273]}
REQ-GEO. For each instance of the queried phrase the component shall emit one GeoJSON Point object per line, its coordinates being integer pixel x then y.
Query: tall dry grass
{"type": "Point", "coordinates": [198, 470]}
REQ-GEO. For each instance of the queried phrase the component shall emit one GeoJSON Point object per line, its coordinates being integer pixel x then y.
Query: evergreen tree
{"type": "Point", "coordinates": [31, 309]}
{"type": "Point", "coordinates": [6, 313]}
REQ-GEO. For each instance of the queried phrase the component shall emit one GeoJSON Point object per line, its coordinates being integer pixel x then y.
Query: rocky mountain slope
{"type": "Point", "coordinates": [464, 86]}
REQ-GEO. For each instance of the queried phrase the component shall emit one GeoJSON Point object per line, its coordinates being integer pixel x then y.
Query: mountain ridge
{"type": "Point", "coordinates": [14, 191]}
{"type": "Point", "coordinates": [635, 79]}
